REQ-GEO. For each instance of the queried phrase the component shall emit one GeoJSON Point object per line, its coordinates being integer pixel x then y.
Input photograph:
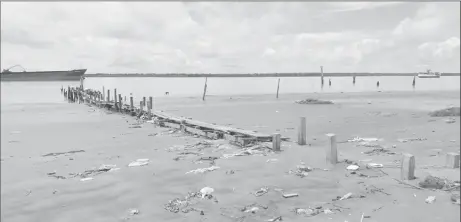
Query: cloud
{"type": "Point", "coordinates": [220, 37]}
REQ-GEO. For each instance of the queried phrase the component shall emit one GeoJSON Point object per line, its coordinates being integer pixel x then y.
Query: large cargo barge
{"type": "Point", "coordinates": [71, 75]}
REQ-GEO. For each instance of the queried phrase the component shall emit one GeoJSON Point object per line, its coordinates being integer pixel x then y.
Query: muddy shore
{"type": "Point", "coordinates": [33, 191]}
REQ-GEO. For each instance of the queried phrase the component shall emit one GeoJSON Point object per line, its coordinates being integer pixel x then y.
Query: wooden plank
{"type": "Point", "coordinates": [194, 131]}
{"type": "Point", "coordinates": [407, 171]}
{"type": "Point", "coordinates": [172, 125]}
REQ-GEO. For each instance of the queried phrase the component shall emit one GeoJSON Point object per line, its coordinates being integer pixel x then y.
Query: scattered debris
{"type": "Point", "coordinates": [449, 121]}
{"type": "Point", "coordinates": [28, 192]}
{"type": "Point", "coordinates": [53, 174]}
{"type": "Point", "coordinates": [289, 195]}
{"type": "Point", "coordinates": [352, 167]}
{"type": "Point", "coordinates": [183, 204]}
{"type": "Point", "coordinates": [135, 127]}
{"type": "Point", "coordinates": [358, 139]}
{"type": "Point", "coordinates": [413, 186]}
{"type": "Point", "coordinates": [378, 151]}
{"type": "Point", "coordinates": [230, 172]}
{"type": "Point", "coordinates": [133, 212]}
{"type": "Point", "coordinates": [275, 219]}
{"type": "Point", "coordinates": [139, 162]}
{"type": "Point", "coordinates": [86, 179]}
{"type": "Point", "coordinates": [153, 134]}
{"type": "Point", "coordinates": [204, 170]}
{"type": "Point", "coordinates": [432, 182]}
{"type": "Point", "coordinates": [313, 101]}
{"type": "Point", "coordinates": [206, 191]}
{"type": "Point", "coordinates": [411, 140]}
{"type": "Point", "coordinates": [455, 198]}
{"type": "Point", "coordinates": [272, 160]}
{"type": "Point", "coordinates": [258, 149]}
{"type": "Point", "coordinates": [261, 191]}
{"type": "Point", "coordinates": [430, 199]}
{"type": "Point", "coordinates": [62, 153]}
{"type": "Point", "coordinates": [347, 196]}
{"type": "Point", "coordinates": [374, 165]}
{"type": "Point", "coordinates": [452, 111]}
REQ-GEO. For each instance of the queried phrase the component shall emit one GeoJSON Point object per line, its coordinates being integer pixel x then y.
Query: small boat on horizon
{"type": "Point", "coordinates": [70, 75]}
{"type": "Point", "coordinates": [429, 74]}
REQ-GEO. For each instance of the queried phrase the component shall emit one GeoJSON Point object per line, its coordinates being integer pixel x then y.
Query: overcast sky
{"type": "Point", "coordinates": [231, 37]}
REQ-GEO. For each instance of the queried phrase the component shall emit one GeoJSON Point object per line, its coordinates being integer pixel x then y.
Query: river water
{"type": "Point", "coordinates": [48, 92]}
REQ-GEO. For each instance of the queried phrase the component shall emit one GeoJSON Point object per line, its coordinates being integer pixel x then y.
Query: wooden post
{"type": "Point", "coordinates": [103, 93]}
{"type": "Point", "coordinates": [144, 101]}
{"type": "Point", "coordinates": [149, 113]}
{"type": "Point", "coordinates": [115, 96]}
{"type": "Point", "coordinates": [108, 95]}
{"type": "Point", "coordinates": [321, 73]}
{"type": "Point", "coordinates": [414, 81]}
{"type": "Point", "coordinates": [452, 160]}
{"type": "Point", "coordinates": [407, 170]}
{"type": "Point", "coordinates": [125, 99]}
{"type": "Point", "coordinates": [151, 102]}
{"type": "Point", "coordinates": [204, 89]}
{"type": "Point", "coordinates": [278, 86]}
{"type": "Point", "coordinates": [68, 92]}
{"type": "Point", "coordinates": [276, 141]}
{"type": "Point", "coordinates": [120, 102]}
{"type": "Point", "coordinates": [302, 131]}
{"type": "Point", "coordinates": [141, 108]}
{"type": "Point", "coordinates": [131, 103]}
{"type": "Point", "coordinates": [353, 80]}
{"type": "Point", "coordinates": [331, 152]}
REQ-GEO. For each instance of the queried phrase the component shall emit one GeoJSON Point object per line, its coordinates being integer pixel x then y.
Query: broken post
{"type": "Point", "coordinates": [149, 110]}
{"type": "Point", "coordinates": [131, 104]}
{"type": "Point", "coordinates": [452, 160]}
{"type": "Point", "coordinates": [151, 102]}
{"type": "Point", "coordinates": [278, 87]}
{"type": "Point", "coordinates": [204, 89]}
{"type": "Point", "coordinates": [321, 73]}
{"type": "Point", "coordinates": [108, 95]}
{"type": "Point", "coordinates": [331, 152]}
{"type": "Point", "coordinates": [276, 141]}
{"type": "Point", "coordinates": [143, 101]}
{"type": "Point", "coordinates": [141, 106]}
{"type": "Point", "coordinates": [302, 131]}
{"type": "Point", "coordinates": [407, 170]}
{"type": "Point", "coordinates": [120, 102]}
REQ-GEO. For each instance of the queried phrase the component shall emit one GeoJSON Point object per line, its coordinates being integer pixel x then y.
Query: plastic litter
{"type": "Point", "coordinates": [86, 179]}
{"type": "Point", "coordinates": [375, 165]}
{"type": "Point", "coordinates": [206, 191]}
{"type": "Point", "coordinates": [430, 199]}
{"type": "Point", "coordinates": [204, 170]}
{"type": "Point", "coordinates": [139, 162]}
{"type": "Point", "coordinates": [352, 167]}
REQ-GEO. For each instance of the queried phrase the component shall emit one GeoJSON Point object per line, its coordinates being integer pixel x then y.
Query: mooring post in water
{"type": "Point", "coordinates": [141, 108]}
{"type": "Point", "coordinates": [414, 81]}
{"type": "Point", "coordinates": [143, 101]}
{"type": "Point", "coordinates": [407, 168]}
{"type": "Point", "coordinates": [204, 89]}
{"type": "Point", "coordinates": [108, 95]}
{"type": "Point", "coordinates": [115, 96]}
{"type": "Point", "coordinates": [321, 74]}
{"type": "Point", "coordinates": [302, 135]}
{"type": "Point", "coordinates": [125, 99]}
{"type": "Point", "coordinates": [103, 93]}
{"type": "Point", "coordinates": [331, 152]}
{"type": "Point", "coordinates": [120, 102]}
{"type": "Point", "coordinates": [149, 113]}
{"type": "Point", "coordinates": [68, 93]}
{"type": "Point", "coordinates": [278, 87]}
{"type": "Point", "coordinates": [353, 80]}
{"type": "Point", "coordinates": [131, 104]}
{"type": "Point", "coordinates": [151, 102]}
{"type": "Point", "coordinates": [276, 141]}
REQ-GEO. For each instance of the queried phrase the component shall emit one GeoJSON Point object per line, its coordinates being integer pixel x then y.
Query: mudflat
{"type": "Point", "coordinates": [45, 146]}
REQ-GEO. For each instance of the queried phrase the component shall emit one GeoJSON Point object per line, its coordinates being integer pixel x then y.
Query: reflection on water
{"type": "Point", "coordinates": [45, 92]}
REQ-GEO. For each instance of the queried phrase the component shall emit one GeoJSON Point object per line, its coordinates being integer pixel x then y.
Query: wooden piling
{"type": "Point", "coordinates": [141, 106]}
{"type": "Point", "coordinates": [321, 73]}
{"type": "Point", "coordinates": [452, 160]}
{"type": "Point", "coordinates": [103, 93]}
{"type": "Point", "coordinates": [151, 102]}
{"type": "Point", "coordinates": [353, 80]}
{"type": "Point", "coordinates": [120, 102]}
{"type": "Point", "coordinates": [204, 89]}
{"type": "Point", "coordinates": [149, 112]}
{"type": "Point", "coordinates": [108, 95]}
{"type": "Point", "coordinates": [331, 152]}
{"type": "Point", "coordinates": [414, 81]}
{"type": "Point", "coordinates": [115, 96]}
{"type": "Point", "coordinates": [278, 87]}
{"type": "Point", "coordinates": [131, 103]}
{"type": "Point", "coordinates": [407, 168]}
{"type": "Point", "coordinates": [302, 136]}
{"type": "Point", "coordinates": [144, 101]}
{"type": "Point", "coordinates": [276, 141]}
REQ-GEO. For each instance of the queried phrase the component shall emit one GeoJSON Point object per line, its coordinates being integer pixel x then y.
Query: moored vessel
{"type": "Point", "coordinates": [429, 74]}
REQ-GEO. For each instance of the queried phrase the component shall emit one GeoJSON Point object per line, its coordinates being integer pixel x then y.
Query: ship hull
{"type": "Point", "coordinates": [72, 75]}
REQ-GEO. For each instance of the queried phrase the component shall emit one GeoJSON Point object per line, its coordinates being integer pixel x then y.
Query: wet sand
{"type": "Point", "coordinates": [32, 130]}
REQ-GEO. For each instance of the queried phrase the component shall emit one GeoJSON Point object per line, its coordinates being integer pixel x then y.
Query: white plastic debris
{"type": "Point", "coordinates": [86, 179]}
{"type": "Point", "coordinates": [206, 191]}
{"type": "Point", "coordinates": [139, 162]}
{"type": "Point", "coordinates": [347, 196]}
{"type": "Point", "coordinates": [328, 211]}
{"type": "Point", "coordinates": [352, 167]}
{"type": "Point", "coordinates": [375, 165]}
{"type": "Point", "coordinates": [430, 199]}
{"type": "Point", "coordinates": [134, 212]}
{"type": "Point", "coordinates": [203, 170]}
{"type": "Point", "coordinates": [359, 139]}
{"type": "Point", "coordinates": [272, 160]}
{"type": "Point", "coordinates": [252, 210]}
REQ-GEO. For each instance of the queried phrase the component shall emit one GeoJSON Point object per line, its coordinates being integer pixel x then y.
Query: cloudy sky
{"type": "Point", "coordinates": [226, 37]}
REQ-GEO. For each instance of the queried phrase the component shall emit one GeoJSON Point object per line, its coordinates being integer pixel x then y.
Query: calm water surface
{"type": "Point", "coordinates": [49, 92]}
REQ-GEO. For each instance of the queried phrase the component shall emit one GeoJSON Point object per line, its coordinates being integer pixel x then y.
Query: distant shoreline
{"type": "Point", "coordinates": [233, 75]}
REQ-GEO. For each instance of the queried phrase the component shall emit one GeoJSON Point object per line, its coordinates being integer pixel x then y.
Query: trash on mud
{"type": "Point", "coordinates": [352, 167]}
{"type": "Point", "coordinates": [379, 151]}
{"type": "Point", "coordinates": [374, 165]}
{"type": "Point", "coordinates": [359, 139]}
{"type": "Point", "coordinates": [62, 153]}
{"type": "Point", "coordinates": [290, 195]}
{"type": "Point", "coordinates": [258, 149]}
{"type": "Point", "coordinates": [139, 162]}
{"type": "Point", "coordinates": [430, 199]}
{"type": "Point", "coordinates": [313, 101]}
{"type": "Point", "coordinates": [206, 191]}
{"type": "Point", "coordinates": [369, 144]}
{"type": "Point", "coordinates": [450, 121]}
{"type": "Point", "coordinates": [184, 204]}
{"type": "Point", "coordinates": [308, 212]}
{"type": "Point", "coordinates": [261, 191]}
{"type": "Point", "coordinates": [230, 172]}
{"type": "Point", "coordinates": [275, 219]}
{"type": "Point", "coordinates": [455, 198]}
{"type": "Point", "coordinates": [204, 170]}
{"type": "Point", "coordinates": [133, 212]}
{"type": "Point", "coordinates": [433, 182]}
{"type": "Point", "coordinates": [135, 127]}
{"type": "Point", "coordinates": [89, 173]}
{"type": "Point", "coordinates": [53, 174]}
{"type": "Point", "coordinates": [347, 196]}
{"type": "Point", "coordinates": [86, 179]}
{"type": "Point", "coordinates": [153, 134]}
{"type": "Point", "coordinates": [452, 111]}
{"type": "Point", "coordinates": [271, 160]}
{"type": "Point", "coordinates": [301, 170]}
{"type": "Point", "coordinates": [253, 208]}
{"type": "Point", "coordinates": [411, 139]}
